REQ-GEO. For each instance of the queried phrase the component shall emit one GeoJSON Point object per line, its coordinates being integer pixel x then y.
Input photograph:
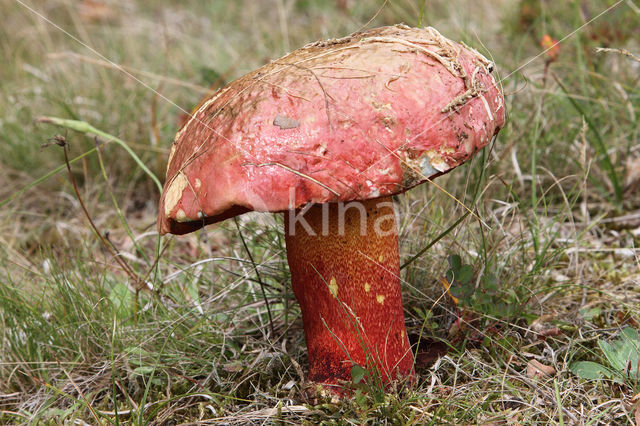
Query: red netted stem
{"type": "Point", "coordinates": [345, 272]}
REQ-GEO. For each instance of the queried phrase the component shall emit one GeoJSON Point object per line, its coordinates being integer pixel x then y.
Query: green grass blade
{"type": "Point", "coordinates": [86, 128]}
{"type": "Point", "coordinates": [600, 145]}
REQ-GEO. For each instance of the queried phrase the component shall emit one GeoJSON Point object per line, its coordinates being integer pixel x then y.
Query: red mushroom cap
{"type": "Point", "coordinates": [369, 115]}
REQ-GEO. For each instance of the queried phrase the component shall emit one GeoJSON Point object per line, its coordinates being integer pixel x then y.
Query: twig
{"type": "Point", "coordinates": [544, 394]}
{"type": "Point", "coordinates": [77, 388]}
{"type": "Point", "coordinates": [61, 141]}
{"type": "Point", "coordinates": [624, 52]}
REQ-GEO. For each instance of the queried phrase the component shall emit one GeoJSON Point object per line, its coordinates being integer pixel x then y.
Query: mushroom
{"type": "Point", "coordinates": [327, 135]}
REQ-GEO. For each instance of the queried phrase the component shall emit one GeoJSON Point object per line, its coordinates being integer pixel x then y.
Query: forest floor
{"type": "Point", "coordinates": [543, 331]}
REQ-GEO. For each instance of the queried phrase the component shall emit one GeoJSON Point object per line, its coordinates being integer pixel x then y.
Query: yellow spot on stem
{"type": "Point", "coordinates": [380, 258]}
{"type": "Point", "coordinates": [333, 287]}
{"type": "Point", "coordinates": [380, 298]}
{"type": "Point", "coordinates": [367, 287]}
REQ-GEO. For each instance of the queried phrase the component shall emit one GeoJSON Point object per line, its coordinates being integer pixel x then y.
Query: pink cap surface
{"type": "Point", "coordinates": [369, 115]}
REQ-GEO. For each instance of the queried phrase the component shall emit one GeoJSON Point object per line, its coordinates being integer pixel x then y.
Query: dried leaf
{"type": "Point", "coordinates": [632, 175]}
{"type": "Point", "coordinates": [542, 323]}
{"type": "Point", "coordinates": [536, 369]}
{"type": "Point", "coordinates": [447, 286]}
{"type": "Point", "coordinates": [233, 367]}
{"type": "Point", "coordinates": [96, 11]}
{"type": "Point", "coordinates": [554, 331]}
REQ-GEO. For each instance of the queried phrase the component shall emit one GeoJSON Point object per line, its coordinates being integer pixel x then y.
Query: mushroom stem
{"type": "Point", "coordinates": [345, 272]}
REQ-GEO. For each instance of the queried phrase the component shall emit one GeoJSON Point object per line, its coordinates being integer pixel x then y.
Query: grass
{"type": "Point", "coordinates": [555, 231]}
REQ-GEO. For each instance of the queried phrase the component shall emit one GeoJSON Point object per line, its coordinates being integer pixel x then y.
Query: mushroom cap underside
{"type": "Point", "coordinates": [369, 115]}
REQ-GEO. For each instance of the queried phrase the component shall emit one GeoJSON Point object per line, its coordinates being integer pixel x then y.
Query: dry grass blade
{"type": "Point", "coordinates": [623, 52]}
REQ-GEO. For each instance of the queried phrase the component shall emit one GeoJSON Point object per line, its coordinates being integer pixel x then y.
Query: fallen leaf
{"type": "Point", "coordinates": [96, 11]}
{"type": "Point", "coordinates": [447, 286]}
{"type": "Point", "coordinates": [541, 323]}
{"type": "Point", "coordinates": [233, 367]}
{"type": "Point", "coordinates": [554, 331]}
{"type": "Point", "coordinates": [632, 175]}
{"type": "Point", "coordinates": [536, 369]}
